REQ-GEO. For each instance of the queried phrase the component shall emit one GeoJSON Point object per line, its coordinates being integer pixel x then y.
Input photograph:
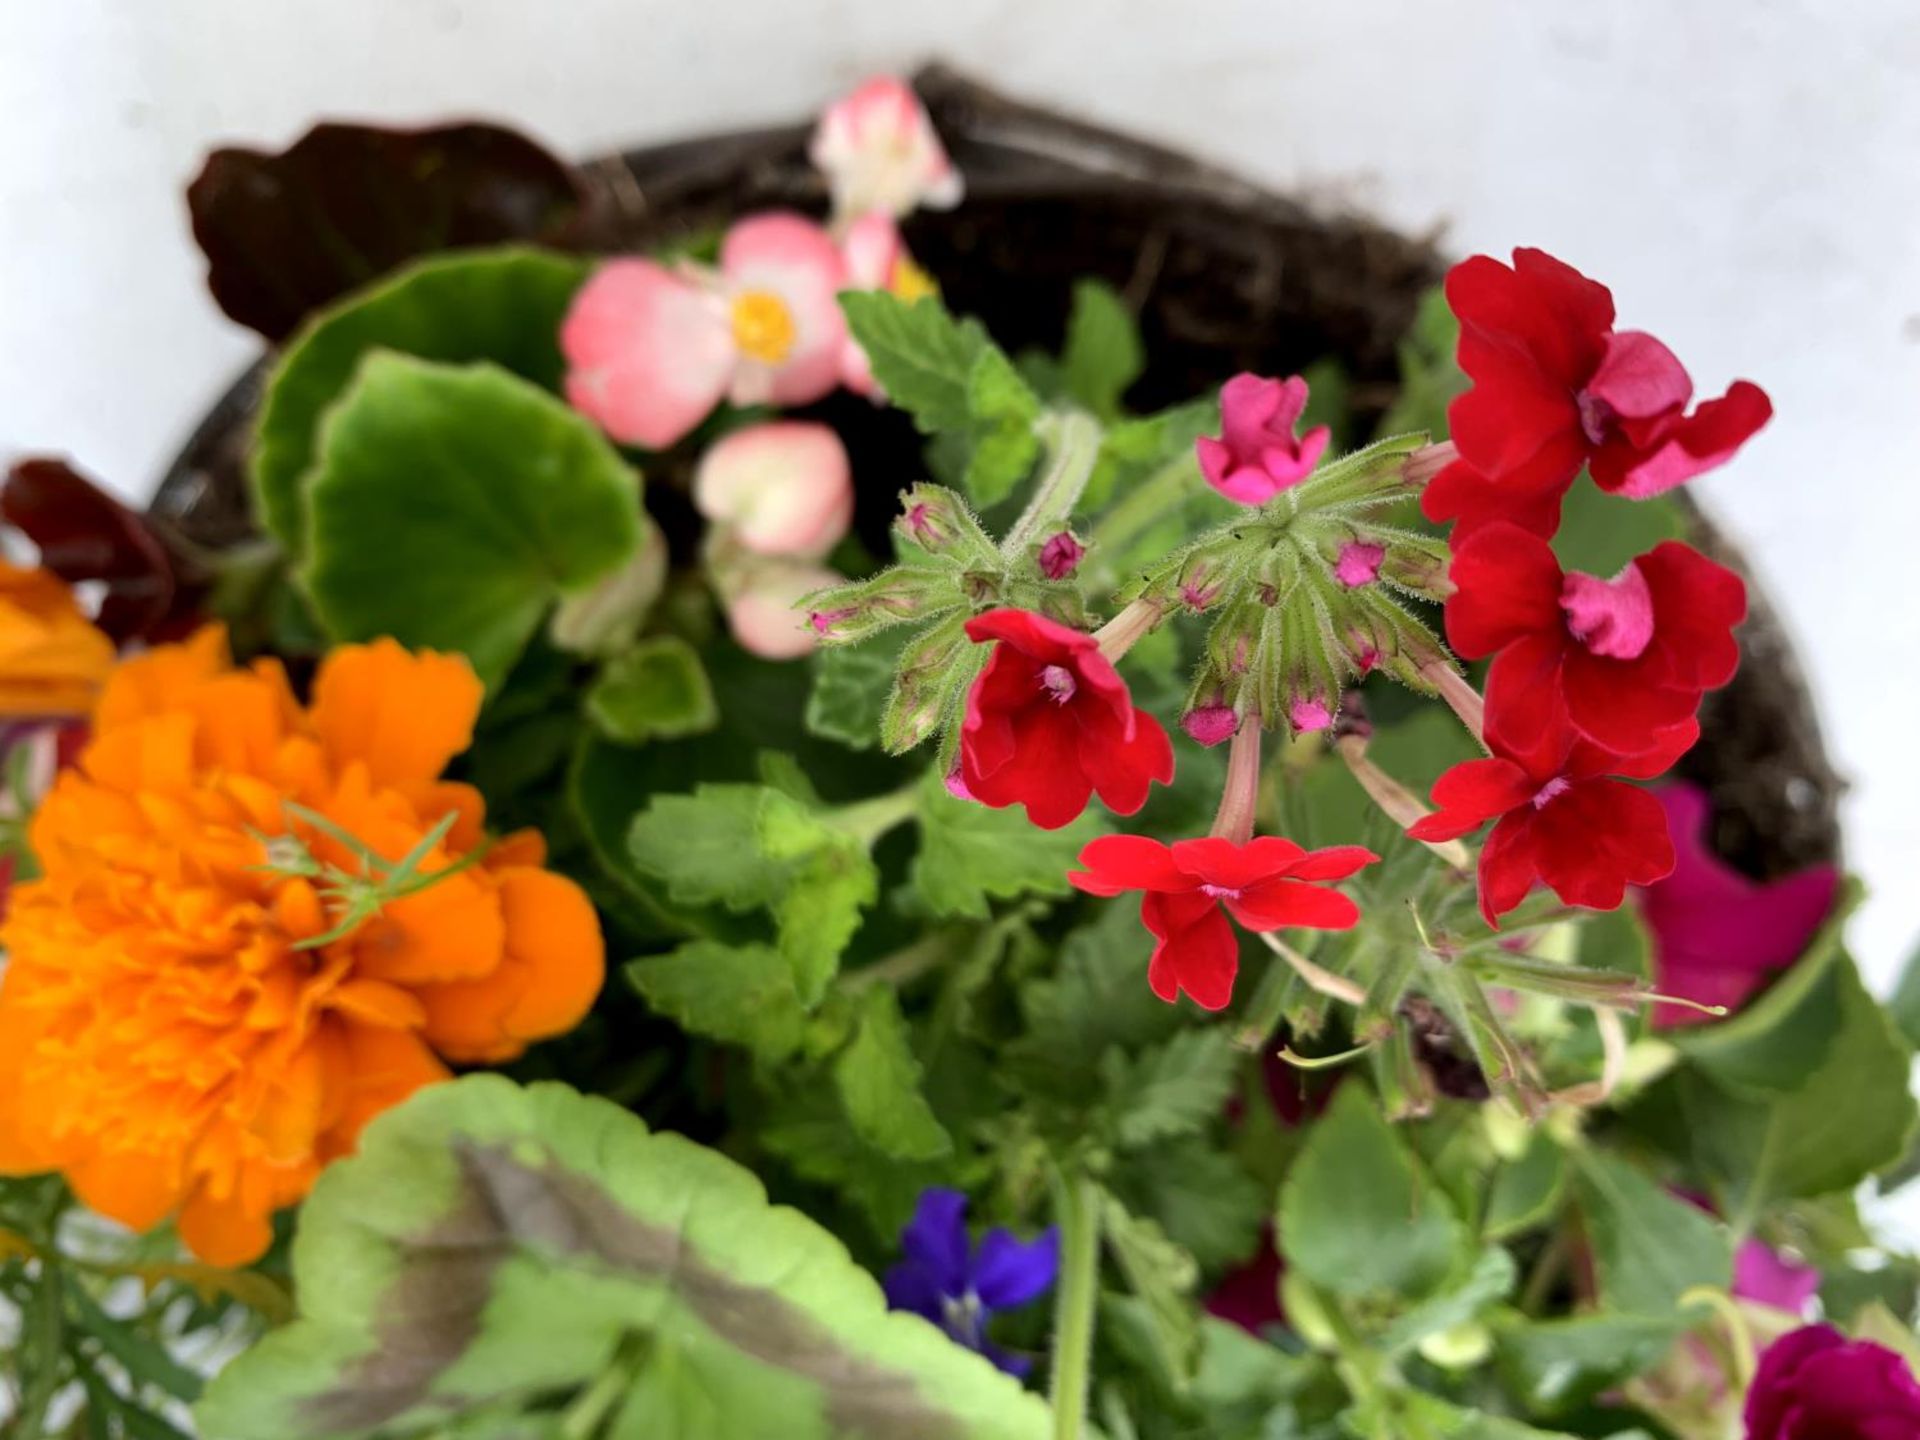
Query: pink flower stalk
{"type": "Point", "coordinates": [1718, 936]}
{"type": "Point", "coordinates": [783, 488]}
{"type": "Point", "coordinates": [876, 258]}
{"type": "Point", "coordinates": [651, 350]}
{"type": "Point", "coordinates": [1060, 556]}
{"type": "Point", "coordinates": [1258, 455]}
{"type": "Point", "coordinates": [878, 149]}
{"type": "Point", "coordinates": [760, 608]}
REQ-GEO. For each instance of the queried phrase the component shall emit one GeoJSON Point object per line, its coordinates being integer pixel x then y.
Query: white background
{"type": "Point", "coordinates": [1744, 173]}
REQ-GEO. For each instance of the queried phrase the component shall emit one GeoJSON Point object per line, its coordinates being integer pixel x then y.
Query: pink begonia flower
{"type": "Point", "coordinates": [1257, 455]}
{"type": "Point", "coordinates": [876, 258]}
{"type": "Point", "coordinates": [878, 150]}
{"type": "Point", "coordinates": [1719, 936]}
{"type": "Point", "coordinates": [782, 488]}
{"type": "Point", "coordinates": [761, 613]}
{"type": "Point", "coordinates": [651, 349]}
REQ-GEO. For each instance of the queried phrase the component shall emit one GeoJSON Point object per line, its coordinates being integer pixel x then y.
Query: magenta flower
{"type": "Point", "coordinates": [1815, 1384]}
{"type": "Point", "coordinates": [1719, 936]}
{"type": "Point", "coordinates": [1060, 556]}
{"type": "Point", "coordinates": [1766, 1277]}
{"type": "Point", "coordinates": [1258, 455]}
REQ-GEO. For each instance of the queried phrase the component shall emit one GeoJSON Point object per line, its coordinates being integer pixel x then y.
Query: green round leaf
{"type": "Point", "coordinates": [499, 305]}
{"type": "Point", "coordinates": [451, 505]}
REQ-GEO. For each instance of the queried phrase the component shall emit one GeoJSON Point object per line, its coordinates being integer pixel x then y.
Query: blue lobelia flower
{"type": "Point", "coordinates": [957, 1285]}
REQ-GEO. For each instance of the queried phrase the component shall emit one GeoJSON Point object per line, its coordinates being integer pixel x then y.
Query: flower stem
{"type": "Point", "coordinates": [1072, 438]}
{"type": "Point", "coordinates": [1144, 504]}
{"type": "Point", "coordinates": [1240, 796]}
{"type": "Point", "coordinates": [1462, 697]}
{"type": "Point", "coordinates": [1075, 1212]}
{"type": "Point", "coordinates": [868, 820]}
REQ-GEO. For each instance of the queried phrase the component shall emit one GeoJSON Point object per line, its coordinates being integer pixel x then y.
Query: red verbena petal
{"type": "Point", "coordinates": [1115, 863]}
{"type": "Point", "coordinates": [1198, 951]}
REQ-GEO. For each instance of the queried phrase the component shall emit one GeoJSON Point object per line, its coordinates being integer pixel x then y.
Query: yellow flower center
{"type": "Point", "coordinates": [911, 283]}
{"type": "Point", "coordinates": [762, 326]}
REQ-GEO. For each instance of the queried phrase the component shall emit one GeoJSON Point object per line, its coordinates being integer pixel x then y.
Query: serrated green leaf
{"type": "Point", "coordinates": [705, 847]}
{"type": "Point", "coordinates": [1358, 1217]}
{"type": "Point", "coordinates": [971, 855]}
{"type": "Point", "coordinates": [851, 684]}
{"type": "Point", "coordinates": [490, 1246]}
{"type": "Point", "coordinates": [1003, 410]}
{"type": "Point", "coordinates": [921, 355]}
{"type": "Point", "coordinates": [1649, 1246]}
{"type": "Point", "coordinates": [878, 1077]}
{"type": "Point", "coordinates": [1103, 354]}
{"type": "Point", "coordinates": [741, 994]}
{"type": "Point", "coordinates": [450, 506]}
{"type": "Point", "coordinates": [1170, 1090]}
{"type": "Point", "coordinates": [656, 690]}
{"type": "Point", "coordinates": [503, 306]}
{"type": "Point", "coordinates": [821, 908]}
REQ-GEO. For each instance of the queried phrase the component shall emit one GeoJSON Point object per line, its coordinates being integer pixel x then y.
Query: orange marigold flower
{"type": "Point", "coordinates": [166, 1038]}
{"type": "Point", "coordinates": [52, 660]}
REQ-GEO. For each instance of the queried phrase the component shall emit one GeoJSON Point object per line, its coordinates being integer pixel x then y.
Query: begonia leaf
{"type": "Point", "coordinates": [655, 690]}
{"type": "Point", "coordinates": [492, 1249]}
{"type": "Point", "coordinates": [450, 506]}
{"type": "Point", "coordinates": [285, 234]}
{"type": "Point", "coordinates": [502, 306]}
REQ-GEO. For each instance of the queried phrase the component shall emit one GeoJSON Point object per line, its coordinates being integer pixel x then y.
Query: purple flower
{"type": "Point", "coordinates": [1815, 1384]}
{"type": "Point", "coordinates": [958, 1285]}
{"type": "Point", "coordinates": [1719, 936]}
{"type": "Point", "coordinates": [1765, 1276]}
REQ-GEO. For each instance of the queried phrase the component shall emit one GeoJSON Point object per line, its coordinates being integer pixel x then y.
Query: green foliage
{"type": "Point", "coordinates": [851, 684]}
{"type": "Point", "coordinates": [656, 690]}
{"type": "Point", "coordinates": [1171, 1089]}
{"type": "Point", "coordinates": [502, 306]}
{"type": "Point", "coordinates": [1103, 353]}
{"type": "Point", "coordinates": [450, 506]}
{"type": "Point", "coordinates": [1358, 1217]}
{"type": "Point", "coordinates": [751, 847]}
{"type": "Point", "coordinates": [496, 1251]}
{"type": "Point", "coordinates": [1649, 1246]}
{"type": "Point", "coordinates": [953, 380]}
{"type": "Point", "coordinates": [1429, 377]}
{"type": "Point", "coordinates": [971, 855]}
{"type": "Point", "coordinates": [1600, 533]}
{"type": "Point", "coordinates": [878, 1077]}
{"type": "Point", "coordinates": [742, 994]}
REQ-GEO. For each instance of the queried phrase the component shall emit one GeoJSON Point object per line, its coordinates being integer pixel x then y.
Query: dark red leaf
{"type": "Point", "coordinates": [285, 234]}
{"type": "Point", "coordinates": [84, 534]}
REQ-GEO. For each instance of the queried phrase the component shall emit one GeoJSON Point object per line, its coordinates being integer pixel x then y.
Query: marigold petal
{"type": "Point", "coordinates": [405, 714]}
{"type": "Point", "coordinates": [224, 1232]}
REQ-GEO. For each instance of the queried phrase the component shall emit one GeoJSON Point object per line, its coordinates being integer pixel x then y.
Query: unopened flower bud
{"type": "Point", "coordinates": [1419, 566]}
{"type": "Point", "coordinates": [1358, 563]}
{"type": "Point", "coordinates": [1210, 724]}
{"type": "Point", "coordinates": [852, 612]}
{"type": "Point", "coordinates": [939, 522]}
{"type": "Point", "coordinates": [1428, 461]}
{"type": "Point", "coordinates": [604, 618]}
{"type": "Point", "coordinates": [1060, 556]}
{"type": "Point", "coordinates": [931, 668]}
{"type": "Point", "coordinates": [1309, 713]}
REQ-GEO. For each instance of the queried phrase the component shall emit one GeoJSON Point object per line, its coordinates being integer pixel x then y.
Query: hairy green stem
{"type": "Point", "coordinates": [1072, 438]}
{"type": "Point", "coordinates": [868, 820]}
{"type": "Point", "coordinates": [1277, 988]}
{"type": "Point", "coordinates": [1076, 1212]}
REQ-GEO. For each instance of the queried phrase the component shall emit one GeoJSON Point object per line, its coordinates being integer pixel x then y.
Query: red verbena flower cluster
{"type": "Point", "coordinates": [1556, 387]}
{"type": "Point", "coordinates": [1592, 681]}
